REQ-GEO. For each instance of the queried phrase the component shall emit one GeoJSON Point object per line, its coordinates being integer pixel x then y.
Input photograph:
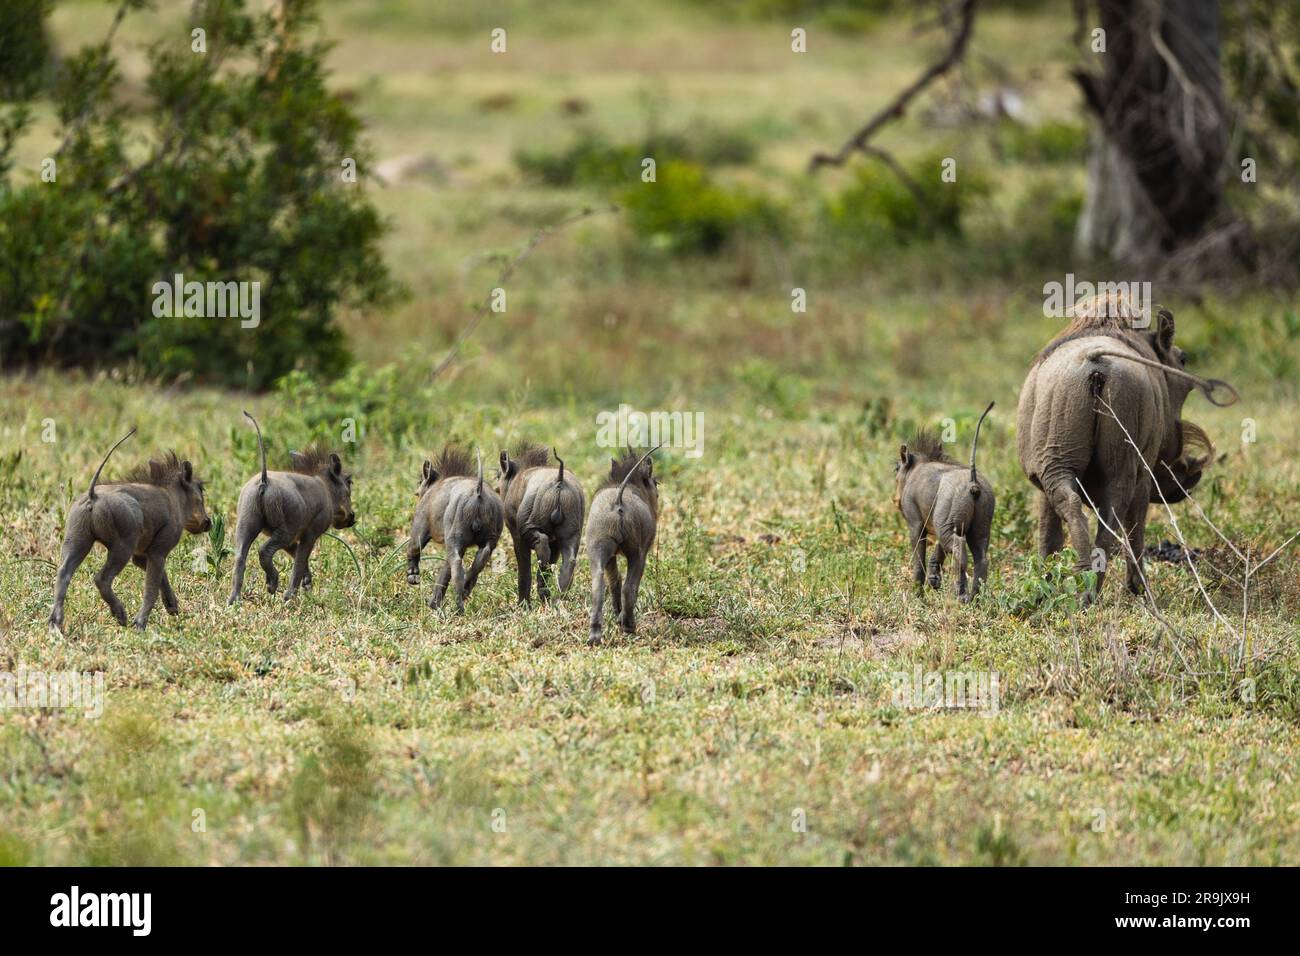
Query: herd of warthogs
{"type": "Point", "coordinates": [1099, 423]}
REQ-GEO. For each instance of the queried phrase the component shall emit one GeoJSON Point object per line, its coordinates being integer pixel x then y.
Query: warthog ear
{"type": "Point", "coordinates": [336, 464]}
{"type": "Point", "coordinates": [155, 470]}
{"type": "Point", "coordinates": [187, 472]}
{"type": "Point", "coordinates": [427, 471]}
{"type": "Point", "coordinates": [903, 456]}
{"type": "Point", "coordinates": [508, 468]}
{"type": "Point", "coordinates": [1165, 330]}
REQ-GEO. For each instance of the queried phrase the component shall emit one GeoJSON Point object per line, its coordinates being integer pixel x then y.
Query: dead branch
{"type": "Point", "coordinates": [896, 109]}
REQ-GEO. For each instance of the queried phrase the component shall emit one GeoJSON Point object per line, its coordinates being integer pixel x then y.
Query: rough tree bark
{"type": "Point", "coordinates": [1155, 173]}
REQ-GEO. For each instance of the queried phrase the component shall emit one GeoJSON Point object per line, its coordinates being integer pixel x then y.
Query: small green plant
{"type": "Point", "coordinates": [1052, 142]}
{"type": "Point", "coordinates": [684, 212]}
{"type": "Point", "coordinates": [591, 159]}
{"type": "Point", "coordinates": [1042, 586]}
{"type": "Point", "coordinates": [881, 206]}
{"type": "Point", "coordinates": [216, 551]}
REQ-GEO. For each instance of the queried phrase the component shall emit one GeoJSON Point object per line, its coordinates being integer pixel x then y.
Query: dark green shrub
{"type": "Point", "coordinates": [880, 206]}
{"type": "Point", "coordinates": [685, 212]}
{"type": "Point", "coordinates": [1051, 142]}
{"type": "Point", "coordinates": [590, 159]}
{"type": "Point", "coordinates": [243, 182]}
{"type": "Point", "coordinates": [24, 47]}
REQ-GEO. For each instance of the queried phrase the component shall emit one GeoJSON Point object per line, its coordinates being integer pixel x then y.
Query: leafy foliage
{"type": "Point", "coordinates": [241, 180]}
{"type": "Point", "coordinates": [684, 211]}
{"type": "Point", "coordinates": [881, 203]}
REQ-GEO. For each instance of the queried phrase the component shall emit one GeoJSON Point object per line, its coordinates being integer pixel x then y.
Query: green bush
{"type": "Point", "coordinates": [24, 47]}
{"type": "Point", "coordinates": [880, 205]}
{"type": "Point", "coordinates": [590, 159]}
{"type": "Point", "coordinates": [1051, 142]}
{"type": "Point", "coordinates": [685, 212]}
{"type": "Point", "coordinates": [243, 182]}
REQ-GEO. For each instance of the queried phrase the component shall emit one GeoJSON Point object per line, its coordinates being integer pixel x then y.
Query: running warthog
{"type": "Point", "coordinates": [294, 508]}
{"type": "Point", "coordinates": [544, 509]}
{"type": "Point", "coordinates": [138, 519]}
{"type": "Point", "coordinates": [946, 502]}
{"type": "Point", "coordinates": [624, 518]}
{"type": "Point", "coordinates": [458, 511]}
{"type": "Point", "coordinates": [1099, 416]}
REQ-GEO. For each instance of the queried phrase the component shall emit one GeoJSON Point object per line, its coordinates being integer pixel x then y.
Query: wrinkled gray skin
{"type": "Point", "coordinates": [543, 514]}
{"type": "Point", "coordinates": [627, 530]}
{"type": "Point", "coordinates": [138, 521]}
{"type": "Point", "coordinates": [459, 513]}
{"type": "Point", "coordinates": [944, 507]}
{"type": "Point", "coordinates": [293, 509]}
{"type": "Point", "coordinates": [1066, 436]}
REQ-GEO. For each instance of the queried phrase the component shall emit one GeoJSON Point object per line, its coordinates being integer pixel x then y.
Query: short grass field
{"type": "Point", "coordinates": [750, 721]}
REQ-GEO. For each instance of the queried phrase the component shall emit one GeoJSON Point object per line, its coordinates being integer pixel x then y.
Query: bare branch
{"type": "Point", "coordinates": [896, 109]}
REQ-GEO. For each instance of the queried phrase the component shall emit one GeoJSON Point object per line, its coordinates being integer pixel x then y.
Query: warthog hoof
{"type": "Point", "coordinates": [964, 598]}
{"type": "Point", "coordinates": [596, 639]}
{"type": "Point", "coordinates": [412, 577]}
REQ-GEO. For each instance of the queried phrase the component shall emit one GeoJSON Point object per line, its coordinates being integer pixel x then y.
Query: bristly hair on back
{"type": "Point", "coordinates": [619, 469]}
{"type": "Point", "coordinates": [143, 474]}
{"type": "Point", "coordinates": [312, 460]}
{"type": "Point", "coordinates": [529, 454]}
{"type": "Point", "coordinates": [926, 444]}
{"type": "Point", "coordinates": [455, 460]}
{"type": "Point", "coordinates": [1110, 313]}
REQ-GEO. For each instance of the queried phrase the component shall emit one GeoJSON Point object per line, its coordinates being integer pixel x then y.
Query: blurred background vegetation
{"type": "Point", "coordinates": [227, 165]}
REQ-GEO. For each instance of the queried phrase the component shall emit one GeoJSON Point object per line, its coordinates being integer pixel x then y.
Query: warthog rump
{"type": "Point", "coordinates": [1099, 422]}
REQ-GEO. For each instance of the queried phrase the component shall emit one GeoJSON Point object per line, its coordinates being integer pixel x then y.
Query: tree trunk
{"type": "Point", "coordinates": [1155, 173]}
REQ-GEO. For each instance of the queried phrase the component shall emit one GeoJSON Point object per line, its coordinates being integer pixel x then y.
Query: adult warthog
{"type": "Point", "coordinates": [1100, 422]}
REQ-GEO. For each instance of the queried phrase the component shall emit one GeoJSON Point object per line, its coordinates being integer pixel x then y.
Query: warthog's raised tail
{"type": "Point", "coordinates": [557, 515]}
{"type": "Point", "coordinates": [261, 448]}
{"type": "Point", "coordinates": [974, 484]}
{"type": "Point", "coordinates": [632, 471]}
{"type": "Point", "coordinates": [90, 492]}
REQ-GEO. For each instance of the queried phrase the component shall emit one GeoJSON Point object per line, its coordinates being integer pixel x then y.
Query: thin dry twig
{"type": "Point", "coordinates": [896, 109]}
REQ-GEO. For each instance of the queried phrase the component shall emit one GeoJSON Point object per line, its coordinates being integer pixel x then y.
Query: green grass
{"type": "Point", "coordinates": [357, 726]}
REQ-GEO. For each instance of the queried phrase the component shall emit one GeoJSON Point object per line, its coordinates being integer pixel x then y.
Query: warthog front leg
{"type": "Point", "coordinates": [155, 570]}
{"type": "Point", "coordinates": [168, 595]}
{"type": "Point", "coordinates": [440, 586]}
{"type": "Point", "coordinates": [118, 557]}
{"type": "Point", "coordinates": [301, 565]}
